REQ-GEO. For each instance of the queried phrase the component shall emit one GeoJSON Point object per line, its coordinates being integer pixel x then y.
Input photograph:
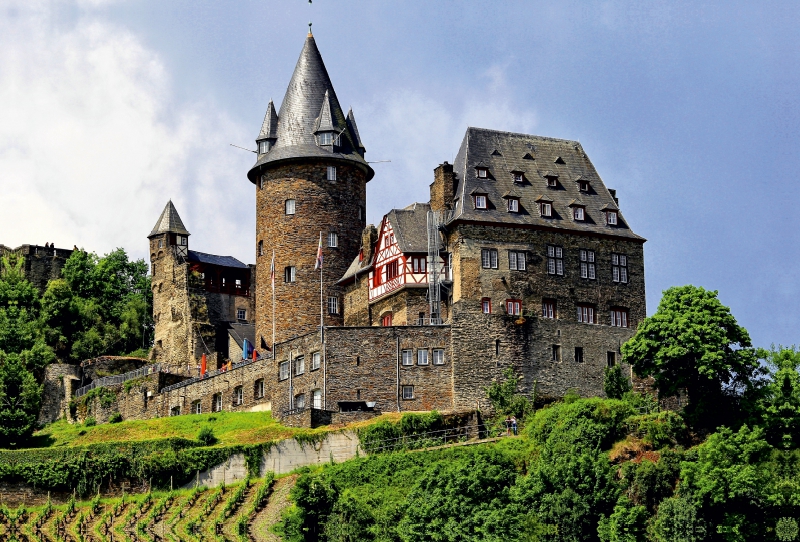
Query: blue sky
{"type": "Point", "coordinates": [690, 110]}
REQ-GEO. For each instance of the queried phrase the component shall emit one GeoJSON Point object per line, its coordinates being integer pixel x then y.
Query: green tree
{"type": "Point", "coordinates": [780, 412]}
{"type": "Point", "coordinates": [678, 521]}
{"type": "Point", "coordinates": [694, 343]}
{"type": "Point", "coordinates": [20, 399]}
{"type": "Point", "coordinates": [19, 304]}
{"type": "Point", "coordinates": [614, 382]}
{"type": "Point", "coordinates": [505, 399]}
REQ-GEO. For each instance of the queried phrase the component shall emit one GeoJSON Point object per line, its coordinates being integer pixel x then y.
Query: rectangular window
{"type": "Point", "coordinates": [299, 365]}
{"type": "Point", "coordinates": [331, 173]}
{"type": "Point", "coordinates": [556, 352]}
{"type": "Point", "coordinates": [489, 258]}
{"type": "Point", "coordinates": [518, 178]}
{"type": "Point", "coordinates": [422, 357]}
{"type": "Point", "coordinates": [241, 314]}
{"type": "Point", "coordinates": [419, 264]}
{"type": "Point", "coordinates": [587, 264]}
{"type": "Point", "coordinates": [619, 268]}
{"type": "Point", "coordinates": [196, 408]}
{"type": "Point", "coordinates": [513, 205]}
{"type": "Point", "coordinates": [586, 314]}
{"type": "Point", "coordinates": [438, 356]}
{"type": "Point", "coordinates": [552, 182]}
{"type": "Point", "coordinates": [316, 398]}
{"type": "Point", "coordinates": [483, 172]}
{"type": "Point", "coordinates": [160, 243]}
{"type": "Point", "coordinates": [516, 260]}
{"type": "Point", "coordinates": [283, 370]}
{"type": "Point", "coordinates": [577, 213]}
{"type": "Point", "coordinates": [555, 260]}
{"type": "Point", "coordinates": [578, 354]}
{"type": "Point", "coordinates": [300, 401]}
{"type": "Point", "coordinates": [153, 270]}
{"type": "Point", "coordinates": [514, 307]}
{"type": "Point", "coordinates": [216, 402]}
{"type": "Point", "coordinates": [546, 209]}
{"type": "Point", "coordinates": [392, 270]}
{"type": "Point", "coordinates": [619, 317]}
{"type": "Point", "coordinates": [386, 320]}
{"type": "Point", "coordinates": [290, 206]}
{"type": "Point", "coordinates": [611, 358]}
{"type": "Point", "coordinates": [289, 274]}
{"type": "Point", "coordinates": [261, 248]}
{"type": "Point", "coordinates": [238, 395]}
{"type": "Point", "coordinates": [611, 218]}
{"type": "Point", "coordinates": [325, 138]}
{"type": "Point", "coordinates": [486, 305]}
{"type": "Point", "coordinates": [259, 391]}
{"type": "Point", "coordinates": [183, 240]}
{"type": "Point", "coordinates": [333, 240]}
{"type": "Point", "coordinates": [408, 392]}
{"type": "Point", "coordinates": [408, 357]}
{"type": "Point", "coordinates": [263, 147]}
{"type": "Point", "coordinates": [333, 305]}
{"type": "Point", "coordinates": [480, 202]}
{"type": "Point", "coordinates": [316, 360]}
{"type": "Point", "coordinates": [548, 308]}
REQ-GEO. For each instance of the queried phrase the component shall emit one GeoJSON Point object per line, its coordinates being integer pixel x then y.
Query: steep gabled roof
{"type": "Point", "coordinates": [310, 99]}
{"type": "Point", "coordinates": [410, 227]}
{"type": "Point", "coordinates": [169, 222]}
{"type": "Point", "coordinates": [351, 123]}
{"type": "Point", "coordinates": [213, 259]}
{"type": "Point", "coordinates": [560, 158]}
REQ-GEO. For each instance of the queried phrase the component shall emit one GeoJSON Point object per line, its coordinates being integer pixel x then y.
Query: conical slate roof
{"type": "Point", "coordinates": [269, 128]}
{"type": "Point", "coordinates": [310, 105]}
{"type": "Point", "coordinates": [169, 222]}
{"type": "Point", "coordinates": [351, 123]}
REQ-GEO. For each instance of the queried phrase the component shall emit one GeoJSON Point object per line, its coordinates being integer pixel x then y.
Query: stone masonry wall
{"type": "Point", "coordinates": [173, 341]}
{"type": "Point", "coordinates": [364, 364]}
{"type": "Point", "coordinates": [41, 264]}
{"type": "Point", "coordinates": [321, 206]}
{"type": "Point", "coordinates": [60, 382]}
{"type": "Point", "coordinates": [356, 302]}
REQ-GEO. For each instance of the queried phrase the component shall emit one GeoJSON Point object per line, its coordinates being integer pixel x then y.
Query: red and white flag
{"type": "Point", "coordinates": [318, 264]}
{"type": "Point", "coordinates": [272, 270]}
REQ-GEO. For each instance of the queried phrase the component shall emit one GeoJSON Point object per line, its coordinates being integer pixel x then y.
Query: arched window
{"type": "Point", "coordinates": [386, 320]}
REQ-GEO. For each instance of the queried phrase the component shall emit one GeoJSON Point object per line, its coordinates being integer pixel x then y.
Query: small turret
{"type": "Point", "coordinates": [169, 231]}
{"type": "Point", "coordinates": [269, 130]}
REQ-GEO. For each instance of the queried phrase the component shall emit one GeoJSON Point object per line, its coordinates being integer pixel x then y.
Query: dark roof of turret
{"type": "Point", "coordinates": [536, 157]}
{"type": "Point", "coordinates": [269, 127]}
{"type": "Point", "coordinates": [169, 222]}
{"type": "Point", "coordinates": [310, 103]}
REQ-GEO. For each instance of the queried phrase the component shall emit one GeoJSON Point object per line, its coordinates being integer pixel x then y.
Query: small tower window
{"type": "Point", "coordinates": [480, 202]}
{"type": "Point", "coordinates": [333, 305]}
{"type": "Point", "coordinates": [331, 173]}
{"type": "Point", "coordinates": [241, 314]}
{"type": "Point", "coordinates": [263, 147]}
{"type": "Point", "coordinates": [333, 239]}
{"type": "Point", "coordinates": [261, 248]}
{"type": "Point", "coordinates": [325, 138]}
{"type": "Point", "coordinates": [160, 243]}
{"type": "Point", "coordinates": [290, 274]}
{"type": "Point", "coordinates": [290, 206]}
{"type": "Point", "coordinates": [611, 218]}
{"type": "Point", "coordinates": [182, 240]}
{"type": "Point", "coordinates": [262, 181]}
{"type": "Point", "coordinates": [513, 205]}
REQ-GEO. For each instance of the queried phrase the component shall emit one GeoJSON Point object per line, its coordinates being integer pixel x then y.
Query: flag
{"type": "Point", "coordinates": [203, 365]}
{"type": "Point", "coordinates": [272, 270]}
{"type": "Point", "coordinates": [318, 265]}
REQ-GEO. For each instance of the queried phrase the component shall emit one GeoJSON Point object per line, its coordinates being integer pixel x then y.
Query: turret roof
{"type": "Point", "coordinates": [169, 222]}
{"type": "Point", "coordinates": [269, 127]}
{"type": "Point", "coordinates": [310, 102]}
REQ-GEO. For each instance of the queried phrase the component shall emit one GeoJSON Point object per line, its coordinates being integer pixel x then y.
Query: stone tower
{"type": "Point", "coordinates": [310, 179]}
{"type": "Point", "coordinates": [169, 247]}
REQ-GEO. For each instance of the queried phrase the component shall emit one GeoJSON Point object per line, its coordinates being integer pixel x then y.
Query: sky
{"type": "Point", "coordinates": [690, 110]}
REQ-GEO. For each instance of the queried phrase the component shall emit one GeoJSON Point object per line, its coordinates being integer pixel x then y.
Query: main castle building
{"type": "Point", "coordinates": [521, 259]}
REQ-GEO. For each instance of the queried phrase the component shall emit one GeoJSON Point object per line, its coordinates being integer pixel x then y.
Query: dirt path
{"type": "Point", "coordinates": [271, 513]}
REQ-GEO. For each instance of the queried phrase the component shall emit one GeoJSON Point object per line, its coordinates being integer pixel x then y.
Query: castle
{"type": "Point", "coordinates": [521, 259]}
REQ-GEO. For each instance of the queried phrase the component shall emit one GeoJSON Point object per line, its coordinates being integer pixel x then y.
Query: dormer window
{"type": "Point", "coordinates": [578, 213]}
{"type": "Point", "coordinates": [583, 186]}
{"type": "Point", "coordinates": [552, 181]}
{"type": "Point", "coordinates": [483, 172]}
{"type": "Point", "coordinates": [546, 209]}
{"type": "Point", "coordinates": [326, 138]}
{"type": "Point", "coordinates": [480, 201]}
{"type": "Point", "coordinates": [611, 218]}
{"type": "Point", "coordinates": [513, 205]}
{"type": "Point", "coordinates": [518, 177]}
{"type": "Point", "coordinates": [263, 147]}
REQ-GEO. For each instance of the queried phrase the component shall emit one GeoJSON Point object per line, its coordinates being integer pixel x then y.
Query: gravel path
{"type": "Point", "coordinates": [271, 513]}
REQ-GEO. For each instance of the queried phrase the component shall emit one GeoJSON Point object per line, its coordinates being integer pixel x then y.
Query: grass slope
{"type": "Point", "coordinates": [229, 427]}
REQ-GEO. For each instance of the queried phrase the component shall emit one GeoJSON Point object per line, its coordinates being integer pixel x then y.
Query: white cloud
{"type": "Point", "coordinates": [417, 133]}
{"type": "Point", "coordinates": [93, 143]}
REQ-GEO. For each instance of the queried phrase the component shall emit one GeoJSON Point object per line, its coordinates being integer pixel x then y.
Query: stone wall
{"type": "Point", "coordinates": [41, 264]}
{"type": "Point", "coordinates": [109, 365]}
{"type": "Point", "coordinates": [365, 364]}
{"type": "Point", "coordinates": [61, 380]}
{"type": "Point", "coordinates": [357, 310]}
{"type": "Point", "coordinates": [321, 206]}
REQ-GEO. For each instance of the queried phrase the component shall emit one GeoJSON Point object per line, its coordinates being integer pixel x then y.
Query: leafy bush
{"type": "Point", "coordinates": [412, 431]}
{"type": "Point", "coordinates": [660, 429]}
{"type": "Point", "coordinates": [505, 399]}
{"type": "Point", "coordinates": [206, 436]}
{"type": "Point", "coordinates": [615, 385]}
{"type": "Point", "coordinates": [116, 417]}
{"type": "Point", "coordinates": [90, 422]}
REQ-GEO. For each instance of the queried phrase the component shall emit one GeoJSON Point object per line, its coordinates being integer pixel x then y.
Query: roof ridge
{"type": "Point", "coordinates": [547, 138]}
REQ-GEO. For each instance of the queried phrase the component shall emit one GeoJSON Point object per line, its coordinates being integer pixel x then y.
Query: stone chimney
{"type": "Point", "coordinates": [443, 187]}
{"type": "Point", "coordinates": [368, 238]}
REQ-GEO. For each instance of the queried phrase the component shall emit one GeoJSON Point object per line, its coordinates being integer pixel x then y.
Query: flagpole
{"type": "Point", "coordinates": [272, 272]}
{"type": "Point", "coordinates": [321, 303]}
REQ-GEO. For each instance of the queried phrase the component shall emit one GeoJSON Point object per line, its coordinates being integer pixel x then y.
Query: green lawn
{"type": "Point", "coordinates": [229, 427]}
